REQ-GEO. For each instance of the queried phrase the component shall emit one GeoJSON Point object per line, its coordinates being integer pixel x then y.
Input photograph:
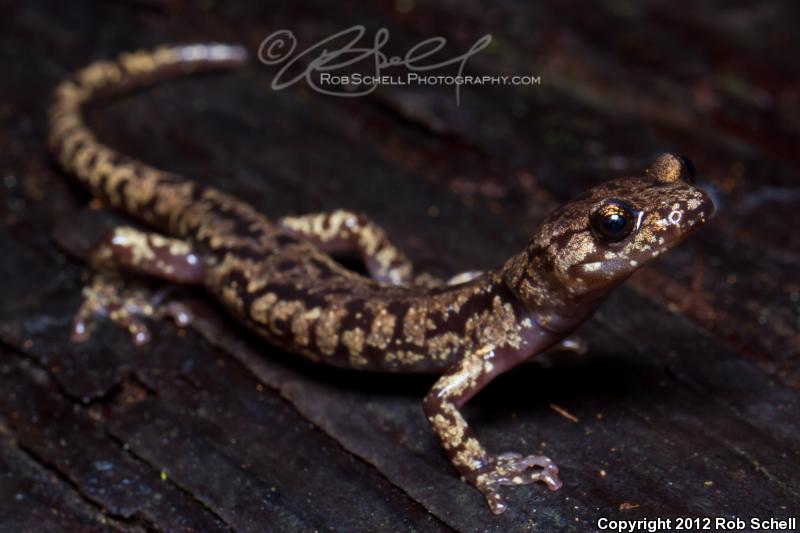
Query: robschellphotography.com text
{"type": "Point", "coordinates": [415, 78]}
{"type": "Point", "coordinates": [651, 525]}
{"type": "Point", "coordinates": [327, 65]}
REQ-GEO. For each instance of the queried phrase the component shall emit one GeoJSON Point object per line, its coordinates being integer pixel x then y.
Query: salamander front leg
{"type": "Point", "coordinates": [485, 471]}
{"type": "Point", "coordinates": [128, 250]}
{"type": "Point", "coordinates": [344, 231]}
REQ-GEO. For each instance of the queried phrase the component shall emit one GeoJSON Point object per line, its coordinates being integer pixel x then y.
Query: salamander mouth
{"type": "Point", "coordinates": [707, 207]}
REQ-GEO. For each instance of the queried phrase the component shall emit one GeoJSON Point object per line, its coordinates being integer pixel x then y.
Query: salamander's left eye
{"type": "Point", "coordinates": [690, 173]}
{"type": "Point", "coordinates": [613, 221]}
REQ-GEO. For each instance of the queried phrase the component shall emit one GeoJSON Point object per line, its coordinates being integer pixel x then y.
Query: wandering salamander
{"type": "Point", "coordinates": [278, 279]}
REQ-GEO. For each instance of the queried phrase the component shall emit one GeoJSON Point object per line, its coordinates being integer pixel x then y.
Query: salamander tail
{"type": "Point", "coordinates": [123, 182]}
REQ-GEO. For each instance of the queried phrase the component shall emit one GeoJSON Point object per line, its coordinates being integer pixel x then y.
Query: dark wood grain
{"type": "Point", "coordinates": [685, 405]}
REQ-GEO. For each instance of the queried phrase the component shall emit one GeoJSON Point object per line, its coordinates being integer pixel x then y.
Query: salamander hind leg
{"type": "Point", "coordinates": [344, 231]}
{"type": "Point", "coordinates": [148, 254]}
{"type": "Point", "coordinates": [126, 250]}
{"type": "Point", "coordinates": [487, 472]}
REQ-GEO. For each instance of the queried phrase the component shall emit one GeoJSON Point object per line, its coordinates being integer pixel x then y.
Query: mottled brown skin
{"type": "Point", "coordinates": [278, 279]}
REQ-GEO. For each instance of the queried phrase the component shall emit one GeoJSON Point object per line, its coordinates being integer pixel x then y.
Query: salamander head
{"type": "Point", "coordinates": [600, 238]}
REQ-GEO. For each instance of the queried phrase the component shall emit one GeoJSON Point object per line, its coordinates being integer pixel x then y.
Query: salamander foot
{"type": "Point", "coordinates": [126, 306]}
{"type": "Point", "coordinates": [513, 469]}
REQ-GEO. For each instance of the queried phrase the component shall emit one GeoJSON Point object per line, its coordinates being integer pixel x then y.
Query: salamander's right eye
{"type": "Point", "coordinates": [614, 221]}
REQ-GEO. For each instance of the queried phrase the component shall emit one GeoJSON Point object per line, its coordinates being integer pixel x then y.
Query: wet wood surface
{"type": "Point", "coordinates": [686, 404]}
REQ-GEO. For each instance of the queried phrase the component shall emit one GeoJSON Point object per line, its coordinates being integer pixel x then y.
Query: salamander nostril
{"type": "Point", "coordinates": [689, 167]}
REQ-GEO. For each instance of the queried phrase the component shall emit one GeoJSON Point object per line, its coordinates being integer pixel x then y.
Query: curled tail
{"type": "Point", "coordinates": [144, 192]}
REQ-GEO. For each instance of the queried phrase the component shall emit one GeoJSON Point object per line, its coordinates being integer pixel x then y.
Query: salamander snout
{"type": "Point", "coordinates": [681, 214]}
{"type": "Point", "coordinates": [682, 198]}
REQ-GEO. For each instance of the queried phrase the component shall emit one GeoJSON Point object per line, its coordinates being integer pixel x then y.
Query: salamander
{"type": "Point", "coordinates": [279, 279]}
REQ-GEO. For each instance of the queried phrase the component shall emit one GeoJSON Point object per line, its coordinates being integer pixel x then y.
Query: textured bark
{"type": "Point", "coordinates": [686, 403]}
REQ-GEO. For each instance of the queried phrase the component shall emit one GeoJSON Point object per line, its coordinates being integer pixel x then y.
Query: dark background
{"type": "Point", "coordinates": [687, 403]}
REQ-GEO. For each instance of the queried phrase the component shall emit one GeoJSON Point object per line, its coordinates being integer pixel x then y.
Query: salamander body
{"type": "Point", "coordinates": [278, 279]}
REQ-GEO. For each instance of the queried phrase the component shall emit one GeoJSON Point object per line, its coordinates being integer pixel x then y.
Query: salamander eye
{"type": "Point", "coordinates": [690, 174]}
{"type": "Point", "coordinates": [613, 221]}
